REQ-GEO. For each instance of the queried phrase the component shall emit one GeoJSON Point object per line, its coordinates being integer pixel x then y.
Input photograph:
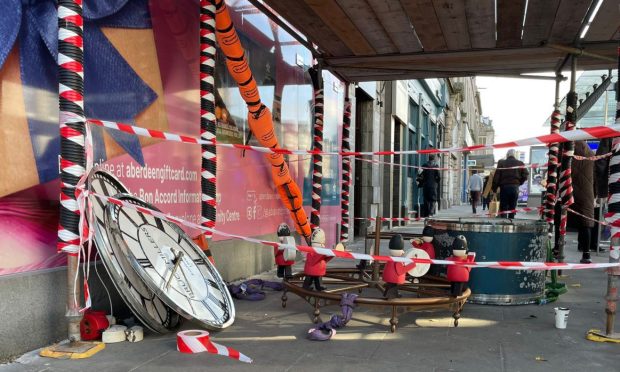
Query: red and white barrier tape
{"type": "Point", "coordinates": [518, 210]}
{"type": "Point", "coordinates": [588, 218]}
{"type": "Point", "coordinates": [404, 219]}
{"type": "Point", "coordinates": [592, 158]}
{"type": "Point", "coordinates": [197, 341]}
{"type": "Point", "coordinates": [505, 265]}
{"type": "Point", "coordinates": [525, 166]}
{"type": "Point", "coordinates": [574, 135]}
{"type": "Point", "coordinates": [384, 219]}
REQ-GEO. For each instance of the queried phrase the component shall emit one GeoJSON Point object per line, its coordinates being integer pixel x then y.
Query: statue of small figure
{"type": "Point", "coordinates": [458, 275]}
{"type": "Point", "coordinates": [394, 272]}
{"type": "Point", "coordinates": [316, 264]}
{"type": "Point", "coordinates": [426, 243]}
{"type": "Point", "coordinates": [284, 263]}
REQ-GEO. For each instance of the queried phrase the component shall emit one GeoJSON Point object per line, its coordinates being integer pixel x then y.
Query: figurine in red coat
{"type": "Point", "coordinates": [284, 265]}
{"type": "Point", "coordinates": [459, 275]}
{"type": "Point", "coordinates": [316, 264]}
{"type": "Point", "coordinates": [426, 244]}
{"type": "Point", "coordinates": [394, 272]}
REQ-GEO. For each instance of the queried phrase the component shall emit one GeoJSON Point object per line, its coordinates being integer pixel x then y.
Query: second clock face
{"type": "Point", "coordinates": [144, 304]}
{"type": "Point", "coordinates": [171, 265]}
{"type": "Point", "coordinates": [420, 269]}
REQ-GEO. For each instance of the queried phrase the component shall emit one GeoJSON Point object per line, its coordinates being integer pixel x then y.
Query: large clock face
{"type": "Point", "coordinates": [171, 265]}
{"type": "Point", "coordinates": [143, 302]}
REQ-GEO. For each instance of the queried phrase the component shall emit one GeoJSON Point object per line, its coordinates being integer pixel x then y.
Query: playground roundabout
{"type": "Point", "coordinates": [425, 293]}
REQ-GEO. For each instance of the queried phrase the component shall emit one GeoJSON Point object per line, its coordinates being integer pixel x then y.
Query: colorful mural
{"type": "Point", "coordinates": [142, 65]}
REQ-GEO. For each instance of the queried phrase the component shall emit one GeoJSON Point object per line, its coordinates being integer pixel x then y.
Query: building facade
{"type": "Point", "coordinates": [396, 115]}
{"type": "Point", "coordinates": [465, 126]}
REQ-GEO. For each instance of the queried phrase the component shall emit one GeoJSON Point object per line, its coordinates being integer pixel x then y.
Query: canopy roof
{"type": "Point", "coordinates": [363, 40]}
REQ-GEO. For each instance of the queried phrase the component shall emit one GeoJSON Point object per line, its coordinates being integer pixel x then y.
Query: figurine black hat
{"type": "Point", "coordinates": [397, 243]}
{"type": "Point", "coordinates": [428, 231]}
{"type": "Point", "coordinates": [284, 230]}
{"type": "Point", "coordinates": [459, 244]}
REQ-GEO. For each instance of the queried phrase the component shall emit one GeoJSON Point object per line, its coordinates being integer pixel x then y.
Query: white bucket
{"type": "Point", "coordinates": [561, 317]}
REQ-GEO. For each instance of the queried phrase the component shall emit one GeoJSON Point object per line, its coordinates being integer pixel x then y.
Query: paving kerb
{"type": "Point", "coordinates": [489, 338]}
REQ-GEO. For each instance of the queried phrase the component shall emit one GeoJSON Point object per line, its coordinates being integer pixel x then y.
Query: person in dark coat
{"type": "Point", "coordinates": [583, 185]}
{"type": "Point", "coordinates": [601, 169]}
{"type": "Point", "coordinates": [601, 189]}
{"type": "Point", "coordinates": [508, 182]}
{"type": "Point", "coordinates": [486, 198]}
{"type": "Point", "coordinates": [429, 181]}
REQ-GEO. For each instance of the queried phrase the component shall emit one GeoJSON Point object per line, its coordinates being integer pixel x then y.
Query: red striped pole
{"type": "Point", "coordinates": [207, 115]}
{"type": "Point", "coordinates": [613, 218]}
{"type": "Point", "coordinates": [346, 168]}
{"type": "Point", "coordinates": [566, 182]}
{"type": "Point", "coordinates": [552, 169]}
{"type": "Point", "coordinates": [72, 150]}
{"type": "Point", "coordinates": [317, 145]}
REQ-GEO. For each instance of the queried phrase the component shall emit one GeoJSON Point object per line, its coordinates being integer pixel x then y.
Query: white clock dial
{"type": "Point", "coordinates": [171, 265]}
{"type": "Point", "coordinates": [420, 269]}
{"type": "Point", "coordinates": [144, 304]}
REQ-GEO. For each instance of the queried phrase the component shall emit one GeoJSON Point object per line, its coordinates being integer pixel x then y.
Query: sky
{"type": "Point", "coordinates": [518, 107]}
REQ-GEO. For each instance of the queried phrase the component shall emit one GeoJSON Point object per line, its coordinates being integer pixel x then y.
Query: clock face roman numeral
{"type": "Point", "coordinates": [144, 220]}
{"type": "Point", "coordinates": [104, 187]}
{"type": "Point", "coordinates": [213, 284]}
{"type": "Point", "coordinates": [136, 224]}
{"type": "Point", "coordinates": [199, 261]}
{"type": "Point", "coordinates": [217, 300]}
{"type": "Point", "coordinates": [159, 224]}
{"type": "Point", "coordinates": [145, 263]}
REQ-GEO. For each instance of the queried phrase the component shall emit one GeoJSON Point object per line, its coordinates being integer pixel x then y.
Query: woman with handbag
{"type": "Point", "coordinates": [489, 196]}
{"type": "Point", "coordinates": [486, 197]}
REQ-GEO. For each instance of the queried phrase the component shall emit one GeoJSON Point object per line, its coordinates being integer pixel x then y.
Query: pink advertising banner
{"type": "Point", "coordinates": [151, 79]}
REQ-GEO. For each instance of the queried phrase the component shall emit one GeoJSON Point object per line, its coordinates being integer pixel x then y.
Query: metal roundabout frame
{"type": "Point", "coordinates": [431, 292]}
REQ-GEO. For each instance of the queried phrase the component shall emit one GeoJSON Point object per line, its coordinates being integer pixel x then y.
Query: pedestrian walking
{"type": "Point", "coordinates": [508, 182]}
{"type": "Point", "coordinates": [428, 180]}
{"type": "Point", "coordinates": [475, 189]}
{"type": "Point", "coordinates": [601, 191]}
{"type": "Point", "coordinates": [583, 183]}
{"type": "Point", "coordinates": [486, 194]}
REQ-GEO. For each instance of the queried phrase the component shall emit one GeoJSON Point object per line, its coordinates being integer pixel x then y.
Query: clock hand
{"type": "Point", "coordinates": [177, 263]}
{"type": "Point", "coordinates": [190, 288]}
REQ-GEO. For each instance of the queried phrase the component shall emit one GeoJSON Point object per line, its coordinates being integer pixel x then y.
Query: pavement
{"type": "Point", "coordinates": [489, 338]}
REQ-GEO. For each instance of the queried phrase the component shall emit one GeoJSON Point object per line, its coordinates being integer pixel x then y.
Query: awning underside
{"type": "Point", "coordinates": [363, 40]}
